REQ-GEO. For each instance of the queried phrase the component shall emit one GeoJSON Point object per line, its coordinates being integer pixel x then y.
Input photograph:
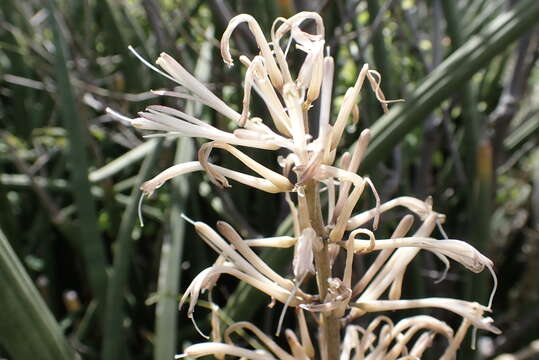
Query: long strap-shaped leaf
{"type": "Point", "coordinates": [87, 232]}
{"type": "Point", "coordinates": [27, 328]}
{"type": "Point", "coordinates": [449, 76]}
{"type": "Point", "coordinates": [114, 344]}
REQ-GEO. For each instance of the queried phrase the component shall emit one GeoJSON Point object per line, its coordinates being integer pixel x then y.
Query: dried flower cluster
{"type": "Point", "coordinates": [309, 168]}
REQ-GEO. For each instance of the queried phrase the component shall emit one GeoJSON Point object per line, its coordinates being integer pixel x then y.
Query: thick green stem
{"type": "Point", "coordinates": [329, 323]}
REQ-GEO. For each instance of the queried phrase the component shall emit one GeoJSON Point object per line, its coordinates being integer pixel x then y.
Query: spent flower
{"type": "Point", "coordinates": [312, 160]}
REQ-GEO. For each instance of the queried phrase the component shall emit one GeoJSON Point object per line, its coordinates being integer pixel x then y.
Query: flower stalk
{"type": "Point", "coordinates": [330, 326]}
{"type": "Point", "coordinates": [310, 167]}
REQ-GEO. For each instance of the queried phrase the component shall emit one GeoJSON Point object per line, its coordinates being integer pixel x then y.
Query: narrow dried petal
{"type": "Point", "coordinates": [306, 341]}
{"type": "Point", "coordinates": [297, 349]}
{"type": "Point", "coordinates": [457, 250]}
{"type": "Point", "coordinates": [451, 351]}
{"type": "Point", "coordinates": [351, 341]}
{"type": "Point", "coordinates": [275, 242]}
{"type": "Point", "coordinates": [211, 348]}
{"type": "Point", "coordinates": [379, 320]}
{"type": "Point", "coordinates": [180, 95]}
{"type": "Point", "coordinates": [194, 289]}
{"type": "Point", "coordinates": [375, 84]}
{"type": "Point", "coordinates": [262, 184]}
{"type": "Point", "coordinates": [267, 92]}
{"type": "Point", "coordinates": [156, 109]}
{"type": "Point", "coordinates": [384, 341]}
{"type": "Point", "coordinates": [402, 229]}
{"type": "Point", "coordinates": [213, 174]}
{"type": "Point", "coordinates": [301, 37]}
{"type": "Point", "coordinates": [347, 277]}
{"type": "Point", "coordinates": [216, 328]}
{"type": "Point", "coordinates": [295, 111]}
{"type": "Point", "coordinates": [183, 77]}
{"type": "Point", "coordinates": [277, 179]}
{"type": "Point", "coordinates": [359, 185]}
{"type": "Point", "coordinates": [420, 346]}
{"type": "Point", "coordinates": [151, 185]}
{"type": "Point", "coordinates": [261, 136]}
{"type": "Point", "coordinates": [400, 347]}
{"type": "Point", "coordinates": [310, 170]}
{"type": "Point", "coordinates": [470, 310]}
{"type": "Point", "coordinates": [258, 183]}
{"type": "Point", "coordinates": [353, 166]}
{"type": "Point", "coordinates": [175, 124]}
{"type": "Point", "coordinates": [359, 150]}
{"type": "Point", "coordinates": [350, 98]}
{"type": "Point", "coordinates": [377, 201]}
{"type": "Point", "coordinates": [316, 76]}
{"type": "Point", "coordinates": [212, 238]}
{"type": "Point", "coordinates": [258, 61]}
{"type": "Point", "coordinates": [395, 290]}
{"type": "Point", "coordinates": [325, 99]}
{"type": "Point", "coordinates": [384, 337]}
{"type": "Point", "coordinates": [266, 340]}
{"type": "Point", "coordinates": [220, 261]}
{"type": "Point", "coordinates": [273, 70]}
{"type": "Point", "coordinates": [145, 124]}
{"type": "Point", "coordinates": [279, 55]}
{"type": "Point", "coordinates": [331, 199]}
{"type": "Point", "coordinates": [232, 235]}
{"type": "Point", "coordinates": [303, 254]}
{"type": "Point", "coordinates": [312, 66]}
{"type": "Point", "coordinates": [419, 207]}
{"type": "Point", "coordinates": [396, 265]}
{"type": "Point", "coordinates": [424, 322]}
{"type": "Point", "coordinates": [271, 289]}
{"type": "Point", "coordinates": [161, 121]}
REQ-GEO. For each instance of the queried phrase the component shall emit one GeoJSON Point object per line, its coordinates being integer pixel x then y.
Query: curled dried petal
{"type": "Point", "coordinates": [266, 340]}
{"type": "Point", "coordinates": [470, 310]}
{"type": "Point", "coordinates": [273, 70]}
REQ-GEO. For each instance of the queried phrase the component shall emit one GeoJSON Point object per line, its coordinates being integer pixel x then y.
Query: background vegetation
{"type": "Point", "coordinates": [78, 275]}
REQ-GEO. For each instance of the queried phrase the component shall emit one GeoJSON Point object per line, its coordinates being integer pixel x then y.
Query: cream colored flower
{"type": "Point", "coordinates": [309, 163]}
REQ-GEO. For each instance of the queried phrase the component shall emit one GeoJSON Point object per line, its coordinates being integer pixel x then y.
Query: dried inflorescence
{"type": "Point", "coordinates": [310, 163]}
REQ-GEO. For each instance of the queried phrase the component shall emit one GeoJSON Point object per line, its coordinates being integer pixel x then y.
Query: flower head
{"type": "Point", "coordinates": [311, 159]}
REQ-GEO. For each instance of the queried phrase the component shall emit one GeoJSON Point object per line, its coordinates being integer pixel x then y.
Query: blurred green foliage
{"type": "Point", "coordinates": [69, 173]}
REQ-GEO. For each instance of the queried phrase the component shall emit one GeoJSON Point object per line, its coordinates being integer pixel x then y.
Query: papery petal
{"type": "Point", "coordinates": [183, 77]}
{"type": "Point", "coordinates": [457, 250]}
{"type": "Point", "coordinates": [419, 207]}
{"type": "Point", "coordinates": [273, 70]}
{"type": "Point", "coordinates": [211, 348]}
{"type": "Point", "coordinates": [470, 310]}
{"type": "Point", "coordinates": [266, 340]}
{"type": "Point", "coordinates": [259, 264]}
{"type": "Point", "coordinates": [303, 254]}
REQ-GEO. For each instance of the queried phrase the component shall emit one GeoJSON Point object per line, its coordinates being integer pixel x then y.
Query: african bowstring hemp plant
{"type": "Point", "coordinates": [309, 168]}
